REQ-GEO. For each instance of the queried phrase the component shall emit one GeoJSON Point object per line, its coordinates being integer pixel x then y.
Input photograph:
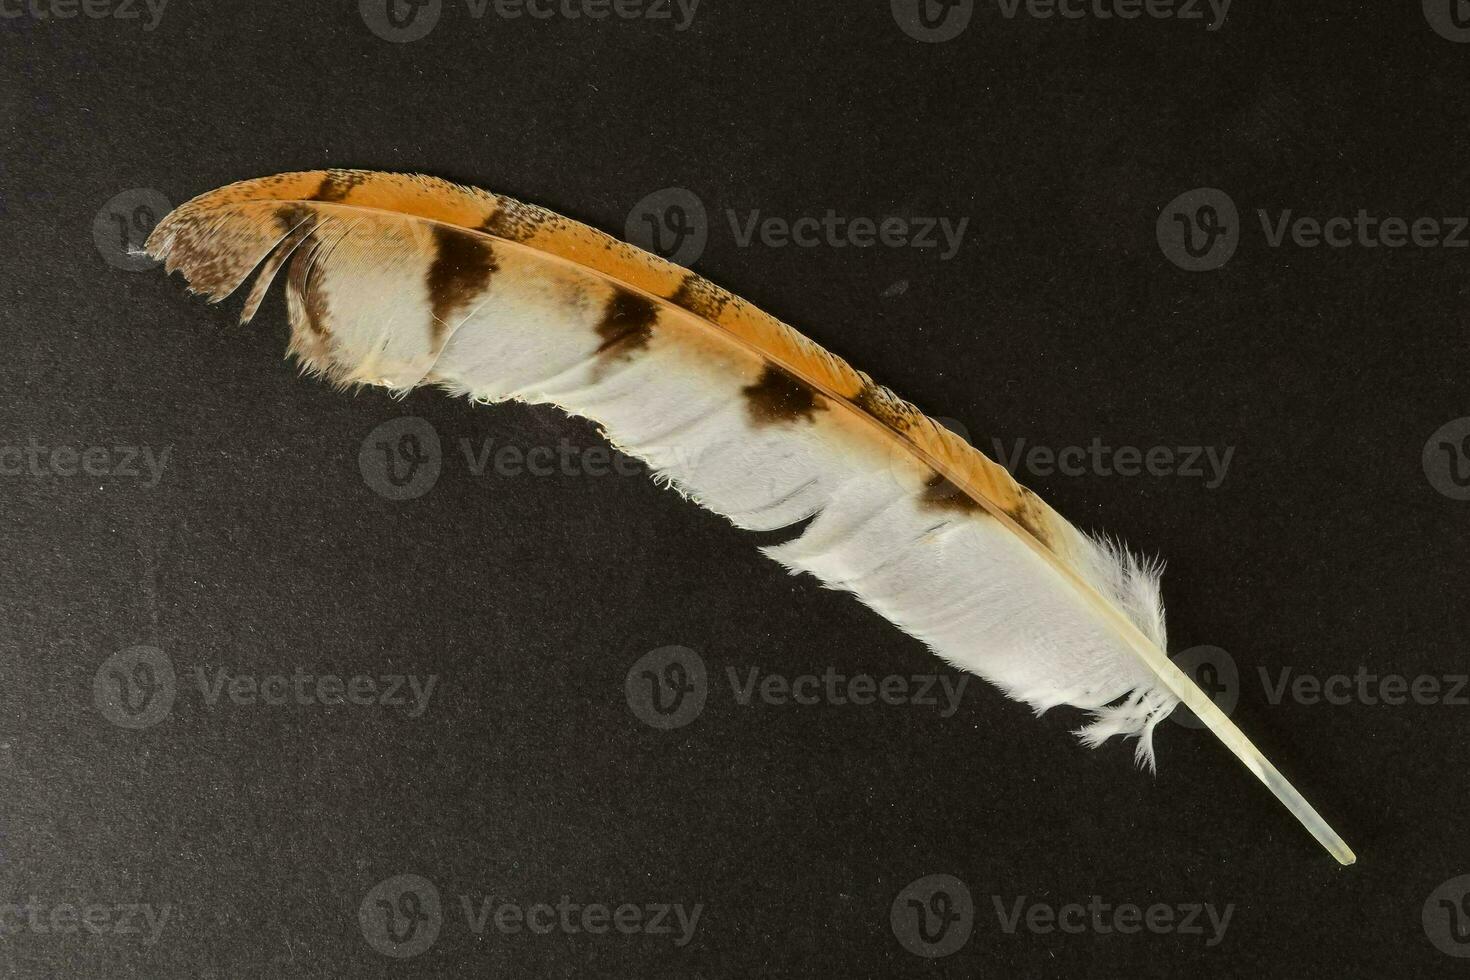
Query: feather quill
{"type": "Point", "coordinates": [398, 281]}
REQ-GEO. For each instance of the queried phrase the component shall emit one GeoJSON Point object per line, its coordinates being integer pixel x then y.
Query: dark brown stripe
{"type": "Point", "coordinates": [700, 297]}
{"type": "Point", "coordinates": [308, 288]}
{"type": "Point", "coordinates": [940, 494]}
{"type": "Point", "coordinates": [294, 219]}
{"type": "Point", "coordinates": [627, 322]}
{"type": "Point", "coordinates": [885, 406]}
{"type": "Point", "coordinates": [515, 221]}
{"type": "Point", "coordinates": [461, 271]}
{"type": "Point", "coordinates": [780, 396]}
{"type": "Point", "coordinates": [1028, 514]}
{"type": "Point", "coordinates": [298, 225]}
{"type": "Point", "coordinates": [337, 184]}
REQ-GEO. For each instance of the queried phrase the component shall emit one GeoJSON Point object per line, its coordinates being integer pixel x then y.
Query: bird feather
{"type": "Point", "coordinates": [404, 280]}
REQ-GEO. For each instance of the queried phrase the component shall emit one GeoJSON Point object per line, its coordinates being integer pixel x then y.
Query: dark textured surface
{"type": "Point", "coordinates": [262, 548]}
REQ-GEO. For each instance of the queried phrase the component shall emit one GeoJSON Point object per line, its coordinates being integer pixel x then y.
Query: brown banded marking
{"type": "Point", "coordinates": [1030, 513]}
{"type": "Point", "coordinates": [700, 296]}
{"type": "Point", "coordinates": [627, 323]}
{"type": "Point", "coordinates": [295, 224]}
{"type": "Point", "coordinates": [336, 185]}
{"type": "Point", "coordinates": [461, 270]}
{"type": "Point", "coordinates": [885, 406]}
{"type": "Point", "coordinates": [307, 290]}
{"type": "Point", "coordinates": [515, 221]}
{"type": "Point", "coordinates": [940, 494]}
{"type": "Point", "coordinates": [779, 396]}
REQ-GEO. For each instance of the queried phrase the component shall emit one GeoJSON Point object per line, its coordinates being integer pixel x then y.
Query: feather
{"type": "Point", "coordinates": [400, 281]}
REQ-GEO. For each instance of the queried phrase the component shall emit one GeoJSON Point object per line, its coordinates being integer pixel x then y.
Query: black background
{"type": "Point", "coordinates": [262, 549]}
